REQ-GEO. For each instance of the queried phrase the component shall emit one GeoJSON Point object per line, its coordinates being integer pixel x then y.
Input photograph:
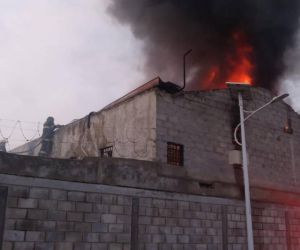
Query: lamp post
{"type": "Point", "coordinates": [242, 90]}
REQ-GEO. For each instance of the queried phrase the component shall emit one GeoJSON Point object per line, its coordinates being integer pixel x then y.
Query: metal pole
{"type": "Point", "coordinates": [246, 178]}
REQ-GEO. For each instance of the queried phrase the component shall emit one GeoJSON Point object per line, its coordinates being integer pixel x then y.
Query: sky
{"type": "Point", "coordinates": [64, 59]}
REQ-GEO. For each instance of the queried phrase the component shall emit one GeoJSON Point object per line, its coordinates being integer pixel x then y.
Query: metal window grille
{"type": "Point", "coordinates": [175, 154]}
{"type": "Point", "coordinates": [106, 152]}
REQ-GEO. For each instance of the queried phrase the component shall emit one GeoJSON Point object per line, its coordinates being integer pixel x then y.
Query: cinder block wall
{"type": "Point", "coordinates": [109, 204]}
{"type": "Point", "coordinates": [203, 122]}
{"type": "Point", "coordinates": [51, 214]}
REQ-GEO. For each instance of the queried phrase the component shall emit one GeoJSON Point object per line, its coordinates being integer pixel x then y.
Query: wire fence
{"type": "Point", "coordinates": [18, 132]}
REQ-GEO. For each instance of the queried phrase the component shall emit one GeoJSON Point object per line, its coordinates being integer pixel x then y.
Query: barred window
{"type": "Point", "coordinates": [175, 154]}
{"type": "Point", "coordinates": [106, 152]}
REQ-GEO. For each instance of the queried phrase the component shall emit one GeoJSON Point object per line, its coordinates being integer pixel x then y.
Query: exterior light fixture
{"type": "Point", "coordinates": [242, 91]}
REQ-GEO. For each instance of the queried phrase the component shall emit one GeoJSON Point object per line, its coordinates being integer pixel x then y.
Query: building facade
{"type": "Point", "coordinates": [191, 130]}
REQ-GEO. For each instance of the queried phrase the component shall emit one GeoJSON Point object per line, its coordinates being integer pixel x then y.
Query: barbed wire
{"type": "Point", "coordinates": [18, 124]}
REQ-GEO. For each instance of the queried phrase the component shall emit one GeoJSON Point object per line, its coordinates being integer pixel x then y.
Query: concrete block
{"type": "Point", "coordinates": [123, 238]}
{"type": "Point", "coordinates": [158, 203]}
{"type": "Point", "coordinates": [44, 246]}
{"type": "Point", "coordinates": [37, 214]}
{"type": "Point", "coordinates": [92, 217]}
{"type": "Point", "coordinates": [10, 224]}
{"type": "Point", "coordinates": [16, 213]}
{"type": "Point", "coordinates": [65, 226]}
{"type": "Point", "coordinates": [63, 246]}
{"type": "Point", "coordinates": [152, 229]}
{"type": "Point", "coordinates": [47, 204]}
{"type": "Point", "coordinates": [83, 227]}
{"type": "Point", "coordinates": [146, 202]}
{"type": "Point", "coordinates": [6, 245]}
{"type": "Point", "coordinates": [107, 237]}
{"type": "Point", "coordinates": [108, 218]}
{"type": "Point", "coordinates": [144, 220]}
{"type": "Point", "coordinates": [170, 238]}
{"type": "Point", "coordinates": [76, 196]}
{"type": "Point", "coordinates": [177, 230]}
{"type": "Point", "coordinates": [91, 237]}
{"type": "Point", "coordinates": [184, 239]}
{"type": "Point", "coordinates": [23, 245]}
{"type": "Point", "coordinates": [144, 238]}
{"type": "Point", "coordinates": [116, 209]}
{"type": "Point", "coordinates": [46, 225]}
{"type": "Point", "coordinates": [151, 246]}
{"type": "Point", "coordinates": [93, 197]}
{"type": "Point", "coordinates": [124, 219]}
{"type": "Point", "coordinates": [27, 203]}
{"type": "Point", "coordinates": [66, 205]}
{"type": "Point", "coordinates": [158, 221]}
{"type": "Point", "coordinates": [56, 194]}
{"type": "Point", "coordinates": [39, 193]}
{"type": "Point", "coordinates": [26, 225]}
{"type": "Point", "coordinates": [13, 235]}
{"type": "Point", "coordinates": [18, 191]}
{"type": "Point", "coordinates": [99, 246]}
{"type": "Point", "coordinates": [115, 246]}
{"type": "Point", "coordinates": [109, 199]}
{"type": "Point", "coordinates": [101, 208]}
{"type": "Point", "coordinates": [82, 246]}
{"type": "Point", "coordinates": [83, 207]}
{"type": "Point", "coordinates": [124, 200]}
{"type": "Point", "coordinates": [99, 227]}
{"type": "Point", "coordinates": [12, 202]}
{"type": "Point", "coordinates": [158, 238]}
{"type": "Point", "coordinates": [184, 222]}
{"type": "Point", "coordinates": [55, 236]}
{"type": "Point", "coordinates": [56, 215]}
{"type": "Point", "coordinates": [75, 216]}
{"type": "Point", "coordinates": [35, 236]}
{"type": "Point", "coordinates": [172, 221]}
{"type": "Point", "coordinates": [73, 236]}
{"type": "Point", "coordinates": [165, 230]}
{"type": "Point", "coordinates": [115, 228]}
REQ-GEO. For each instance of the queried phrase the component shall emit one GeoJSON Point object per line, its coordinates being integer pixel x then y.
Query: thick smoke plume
{"type": "Point", "coordinates": [222, 33]}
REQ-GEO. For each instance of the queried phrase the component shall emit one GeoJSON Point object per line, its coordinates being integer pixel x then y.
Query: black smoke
{"type": "Point", "coordinates": [170, 27]}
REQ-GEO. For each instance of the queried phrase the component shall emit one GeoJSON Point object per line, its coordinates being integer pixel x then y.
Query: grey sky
{"type": "Point", "coordinates": [62, 58]}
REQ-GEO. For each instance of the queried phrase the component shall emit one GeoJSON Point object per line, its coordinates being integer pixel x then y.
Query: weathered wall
{"type": "Point", "coordinates": [203, 123]}
{"type": "Point", "coordinates": [62, 204]}
{"type": "Point", "coordinates": [30, 148]}
{"type": "Point", "coordinates": [128, 127]}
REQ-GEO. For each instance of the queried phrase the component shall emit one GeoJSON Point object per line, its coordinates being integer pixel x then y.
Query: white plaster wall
{"type": "Point", "coordinates": [129, 127]}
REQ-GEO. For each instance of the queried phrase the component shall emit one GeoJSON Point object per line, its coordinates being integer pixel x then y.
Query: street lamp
{"type": "Point", "coordinates": [242, 90]}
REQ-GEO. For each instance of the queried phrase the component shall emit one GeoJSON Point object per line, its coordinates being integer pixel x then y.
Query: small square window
{"type": "Point", "coordinates": [106, 152]}
{"type": "Point", "coordinates": [175, 154]}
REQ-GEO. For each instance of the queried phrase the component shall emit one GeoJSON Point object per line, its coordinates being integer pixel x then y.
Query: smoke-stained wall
{"type": "Point", "coordinates": [128, 127]}
{"type": "Point", "coordinates": [170, 27]}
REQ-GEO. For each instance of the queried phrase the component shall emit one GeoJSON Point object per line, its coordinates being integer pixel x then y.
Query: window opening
{"type": "Point", "coordinates": [175, 154]}
{"type": "Point", "coordinates": [106, 152]}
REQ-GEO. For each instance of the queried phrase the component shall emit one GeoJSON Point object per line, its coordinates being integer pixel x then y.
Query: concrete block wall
{"type": "Point", "coordinates": [55, 214]}
{"type": "Point", "coordinates": [203, 122]}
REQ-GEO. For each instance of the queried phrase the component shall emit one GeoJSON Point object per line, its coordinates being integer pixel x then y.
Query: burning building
{"type": "Point", "coordinates": [154, 174]}
{"type": "Point", "coordinates": [191, 130]}
{"type": "Point", "coordinates": [154, 171]}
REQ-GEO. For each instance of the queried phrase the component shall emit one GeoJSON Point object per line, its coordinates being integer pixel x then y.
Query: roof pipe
{"type": "Point", "coordinates": [184, 69]}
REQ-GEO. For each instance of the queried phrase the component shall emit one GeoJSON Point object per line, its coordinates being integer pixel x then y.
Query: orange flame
{"type": "Point", "coordinates": [239, 65]}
